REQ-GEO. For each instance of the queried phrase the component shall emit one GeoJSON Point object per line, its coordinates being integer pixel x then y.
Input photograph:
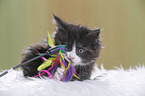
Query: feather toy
{"type": "Point", "coordinates": [56, 60]}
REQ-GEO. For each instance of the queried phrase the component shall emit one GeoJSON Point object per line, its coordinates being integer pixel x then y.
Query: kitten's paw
{"type": "Point", "coordinates": [59, 72]}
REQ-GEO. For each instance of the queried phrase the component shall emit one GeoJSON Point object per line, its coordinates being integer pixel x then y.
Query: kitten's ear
{"type": "Point", "coordinates": [96, 32]}
{"type": "Point", "coordinates": [60, 24]}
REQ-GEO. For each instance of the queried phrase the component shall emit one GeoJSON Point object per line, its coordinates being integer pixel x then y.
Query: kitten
{"type": "Point", "coordinates": [83, 46]}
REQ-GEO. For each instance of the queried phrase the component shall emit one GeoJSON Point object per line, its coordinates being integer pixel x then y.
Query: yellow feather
{"type": "Point", "coordinates": [50, 40]}
{"type": "Point", "coordinates": [45, 64]}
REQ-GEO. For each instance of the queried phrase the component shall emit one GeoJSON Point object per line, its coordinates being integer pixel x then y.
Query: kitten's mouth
{"type": "Point", "coordinates": [71, 60]}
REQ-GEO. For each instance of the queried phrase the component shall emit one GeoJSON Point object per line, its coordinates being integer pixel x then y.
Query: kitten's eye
{"type": "Point", "coordinates": [80, 51]}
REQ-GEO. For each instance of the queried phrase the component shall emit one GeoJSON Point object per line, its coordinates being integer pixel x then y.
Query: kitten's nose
{"type": "Point", "coordinates": [71, 58]}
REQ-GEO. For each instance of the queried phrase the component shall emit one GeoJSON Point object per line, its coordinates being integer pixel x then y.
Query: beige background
{"type": "Point", "coordinates": [25, 22]}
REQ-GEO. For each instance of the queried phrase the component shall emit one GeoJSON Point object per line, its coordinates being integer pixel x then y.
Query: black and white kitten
{"type": "Point", "coordinates": [83, 46]}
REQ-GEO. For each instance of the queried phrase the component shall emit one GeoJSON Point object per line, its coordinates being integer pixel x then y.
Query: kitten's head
{"type": "Point", "coordinates": [83, 44]}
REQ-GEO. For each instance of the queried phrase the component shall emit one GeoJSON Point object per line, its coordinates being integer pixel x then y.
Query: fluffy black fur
{"type": "Point", "coordinates": [87, 41]}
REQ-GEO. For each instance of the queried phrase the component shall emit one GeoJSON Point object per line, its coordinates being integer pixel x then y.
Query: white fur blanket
{"type": "Point", "coordinates": [117, 82]}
